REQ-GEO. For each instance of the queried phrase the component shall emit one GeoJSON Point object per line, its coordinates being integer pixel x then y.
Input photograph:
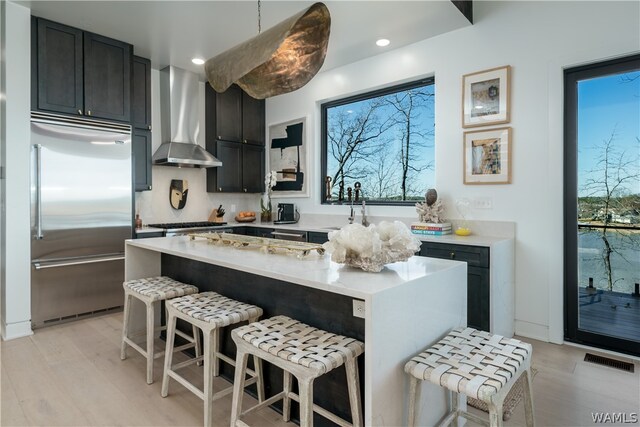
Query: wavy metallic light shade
{"type": "Point", "coordinates": [277, 61]}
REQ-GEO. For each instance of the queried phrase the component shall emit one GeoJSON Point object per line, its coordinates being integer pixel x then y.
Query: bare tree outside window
{"type": "Point", "coordinates": [385, 142]}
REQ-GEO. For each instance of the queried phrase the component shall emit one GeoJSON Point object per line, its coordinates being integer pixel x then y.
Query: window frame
{"type": "Point", "coordinates": [425, 81]}
{"type": "Point", "coordinates": [572, 331]}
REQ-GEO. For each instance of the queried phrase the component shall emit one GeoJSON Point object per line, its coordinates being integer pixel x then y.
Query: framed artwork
{"type": "Point", "coordinates": [487, 156]}
{"type": "Point", "coordinates": [485, 97]}
{"type": "Point", "coordinates": [288, 157]}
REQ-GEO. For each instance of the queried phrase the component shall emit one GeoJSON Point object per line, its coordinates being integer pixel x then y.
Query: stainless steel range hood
{"type": "Point", "coordinates": [180, 124]}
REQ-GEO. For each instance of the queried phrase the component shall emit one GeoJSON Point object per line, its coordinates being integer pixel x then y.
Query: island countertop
{"type": "Point", "coordinates": [314, 270]}
{"type": "Point", "coordinates": [407, 307]}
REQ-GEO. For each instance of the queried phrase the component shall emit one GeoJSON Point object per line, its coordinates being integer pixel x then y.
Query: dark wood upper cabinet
{"type": "Point", "coordinates": [107, 78]}
{"type": "Point", "coordinates": [227, 114]}
{"type": "Point", "coordinates": [141, 93]}
{"type": "Point", "coordinates": [234, 133]}
{"type": "Point", "coordinates": [141, 154]}
{"type": "Point", "coordinates": [58, 83]}
{"type": "Point", "coordinates": [233, 115]}
{"type": "Point", "coordinates": [252, 169]}
{"type": "Point", "coordinates": [252, 120]}
{"type": "Point", "coordinates": [229, 176]}
{"type": "Point", "coordinates": [80, 73]}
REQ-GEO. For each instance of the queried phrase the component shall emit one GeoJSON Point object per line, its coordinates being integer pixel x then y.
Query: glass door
{"type": "Point", "coordinates": [602, 204]}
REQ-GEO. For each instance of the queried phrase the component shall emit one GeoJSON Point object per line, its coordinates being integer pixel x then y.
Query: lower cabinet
{"type": "Point", "coordinates": [317, 237]}
{"type": "Point", "coordinates": [478, 278]}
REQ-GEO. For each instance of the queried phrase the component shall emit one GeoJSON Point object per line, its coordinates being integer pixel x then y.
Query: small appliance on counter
{"type": "Point", "coordinates": [287, 214]}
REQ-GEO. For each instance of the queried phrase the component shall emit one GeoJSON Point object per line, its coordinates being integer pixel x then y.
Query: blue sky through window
{"type": "Point", "coordinates": [608, 105]}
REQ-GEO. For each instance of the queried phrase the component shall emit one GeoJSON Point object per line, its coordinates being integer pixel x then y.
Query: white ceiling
{"type": "Point", "coordinates": [172, 32]}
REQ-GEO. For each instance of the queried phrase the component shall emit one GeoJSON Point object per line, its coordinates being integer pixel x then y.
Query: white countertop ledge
{"type": "Point", "coordinates": [314, 271]}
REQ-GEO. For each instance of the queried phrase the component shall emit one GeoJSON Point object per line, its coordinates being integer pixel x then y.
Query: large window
{"type": "Point", "coordinates": [383, 140]}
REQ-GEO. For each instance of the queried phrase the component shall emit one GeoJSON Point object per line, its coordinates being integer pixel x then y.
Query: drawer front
{"type": "Point", "coordinates": [475, 256]}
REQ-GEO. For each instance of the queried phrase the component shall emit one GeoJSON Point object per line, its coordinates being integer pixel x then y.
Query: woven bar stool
{"type": "Point", "coordinates": [476, 364]}
{"type": "Point", "coordinates": [304, 352]}
{"type": "Point", "coordinates": [150, 291]}
{"type": "Point", "coordinates": [210, 312]}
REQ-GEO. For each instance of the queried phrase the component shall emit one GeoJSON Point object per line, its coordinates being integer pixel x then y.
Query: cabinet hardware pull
{"type": "Point", "coordinates": [452, 255]}
{"type": "Point", "coordinates": [219, 137]}
{"type": "Point", "coordinates": [219, 188]}
{"type": "Point", "coordinates": [88, 112]}
{"type": "Point", "coordinates": [245, 190]}
{"type": "Point", "coordinates": [244, 141]}
{"type": "Point", "coordinates": [79, 111]}
{"type": "Point", "coordinates": [149, 127]}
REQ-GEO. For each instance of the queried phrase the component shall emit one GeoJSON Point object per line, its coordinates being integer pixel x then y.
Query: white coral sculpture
{"type": "Point", "coordinates": [370, 248]}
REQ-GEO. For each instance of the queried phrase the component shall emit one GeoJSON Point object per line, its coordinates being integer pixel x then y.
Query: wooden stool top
{"type": "Point", "coordinates": [159, 288]}
{"type": "Point", "coordinates": [214, 308]}
{"type": "Point", "coordinates": [301, 344]}
{"type": "Point", "coordinates": [475, 363]}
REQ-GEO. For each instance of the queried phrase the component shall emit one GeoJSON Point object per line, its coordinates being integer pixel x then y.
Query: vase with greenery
{"type": "Point", "coordinates": [265, 201]}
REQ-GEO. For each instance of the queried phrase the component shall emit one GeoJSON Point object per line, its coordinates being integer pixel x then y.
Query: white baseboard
{"type": "Point", "coordinates": [532, 330]}
{"type": "Point", "coordinates": [16, 330]}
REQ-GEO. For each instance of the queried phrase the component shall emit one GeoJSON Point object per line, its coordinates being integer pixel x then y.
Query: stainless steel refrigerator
{"type": "Point", "coordinates": [81, 200]}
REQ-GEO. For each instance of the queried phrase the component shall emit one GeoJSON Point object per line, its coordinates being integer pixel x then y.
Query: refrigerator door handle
{"type": "Point", "coordinates": [38, 170]}
{"type": "Point", "coordinates": [39, 265]}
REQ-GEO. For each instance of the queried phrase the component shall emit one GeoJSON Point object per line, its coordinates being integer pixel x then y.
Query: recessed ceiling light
{"type": "Point", "coordinates": [198, 61]}
{"type": "Point", "coordinates": [383, 42]}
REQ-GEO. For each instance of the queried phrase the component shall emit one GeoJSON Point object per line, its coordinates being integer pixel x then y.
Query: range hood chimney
{"type": "Point", "coordinates": [180, 125]}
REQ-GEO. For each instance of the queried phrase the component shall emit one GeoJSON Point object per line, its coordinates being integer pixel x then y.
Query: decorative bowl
{"type": "Point", "coordinates": [245, 219]}
{"type": "Point", "coordinates": [462, 231]}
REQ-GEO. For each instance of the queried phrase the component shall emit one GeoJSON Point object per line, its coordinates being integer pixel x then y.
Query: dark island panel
{"type": "Point", "coordinates": [325, 310]}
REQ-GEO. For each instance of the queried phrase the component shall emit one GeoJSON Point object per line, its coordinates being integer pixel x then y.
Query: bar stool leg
{"type": "Point", "coordinates": [286, 400]}
{"type": "Point", "coordinates": [353, 384]}
{"type": "Point", "coordinates": [453, 406]}
{"type": "Point", "coordinates": [215, 346]}
{"type": "Point", "coordinates": [414, 400]}
{"type": "Point", "coordinates": [305, 386]}
{"type": "Point", "coordinates": [495, 413]}
{"type": "Point", "coordinates": [168, 353]}
{"type": "Point", "coordinates": [209, 368]}
{"type": "Point", "coordinates": [528, 399]}
{"type": "Point", "coordinates": [196, 338]}
{"type": "Point", "coordinates": [238, 386]}
{"type": "Point", "coordinates": [125, 324]}
{"type": "Point", "coordinates": [150, 338]}
{"type": "Point", "coordinates": [257, 364]}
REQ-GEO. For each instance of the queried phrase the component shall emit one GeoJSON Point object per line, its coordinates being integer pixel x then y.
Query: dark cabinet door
{"type": "Point", "coordinates": [229, 175]}
{"type": "Point", "coordinates": [252, 168]}
{"type": "Point", "coordinates": [141, 93]}
{"type": "Point", "coordinates": [58, 82]}
{"type": "Point", "coordinates": [141, 153]}
{"type": "Point", "coordinates": [228, 114]}
{"type": "Point", "coordinates": [317, 237]}
{"type": "Point", "coordinates": [478, 298]}
{"type": "Point", "coordinates": [478, 289]}
{"type": "Point", "coordinates": [252, 119]}
{"type": "Point", "coordinates": [107, 78]}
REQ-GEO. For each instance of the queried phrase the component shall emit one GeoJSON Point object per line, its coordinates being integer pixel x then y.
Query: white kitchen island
{"type": "Point", "coordinates": [408, 306]}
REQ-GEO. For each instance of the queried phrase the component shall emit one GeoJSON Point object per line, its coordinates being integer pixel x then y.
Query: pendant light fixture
{"type": "Point", "coordinates": [280, 60]}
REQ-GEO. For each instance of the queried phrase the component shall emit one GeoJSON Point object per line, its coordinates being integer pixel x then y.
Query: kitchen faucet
{"type": "Point", "coordinates": [365, 222]}
{"type": "Point", "coordinates": [352, 216]}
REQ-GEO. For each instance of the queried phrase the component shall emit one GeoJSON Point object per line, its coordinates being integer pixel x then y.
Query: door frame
{"type": "Point", "coordinates": [572, 333]}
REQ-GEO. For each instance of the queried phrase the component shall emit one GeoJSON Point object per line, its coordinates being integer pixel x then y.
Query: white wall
{"type": "Point", "coordinates": [537, 39]}
{"type": "Point", "coordinates": [153, 206]}
{"type": "Point", "coordinates": [15, 137]}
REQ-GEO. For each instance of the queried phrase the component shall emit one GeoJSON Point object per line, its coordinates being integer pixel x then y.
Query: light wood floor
{"type": "Point", "coordinates": [72, 375]}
